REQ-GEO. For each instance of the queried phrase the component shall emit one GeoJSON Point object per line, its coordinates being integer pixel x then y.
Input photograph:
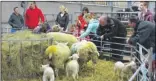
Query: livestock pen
{"type": "Point", "coordinates": [18, 68]}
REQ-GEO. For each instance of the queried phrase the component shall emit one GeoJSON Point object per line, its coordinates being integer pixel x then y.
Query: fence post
{"type": "Point", "coordinates": [150, 63]}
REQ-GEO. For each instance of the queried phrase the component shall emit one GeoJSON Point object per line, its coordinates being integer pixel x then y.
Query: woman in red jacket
{"type": "Point", "coordinates": [82, 24]}
{"type": "Point", "coordinates": [33, 16]}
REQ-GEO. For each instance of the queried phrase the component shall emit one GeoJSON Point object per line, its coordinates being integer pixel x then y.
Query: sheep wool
{"type": "Point", "coordinates": [59, 53]}
{"type": "Point", "coordinates": [48, 73]}
{"type": "Point", "coordinates": [62, 37]}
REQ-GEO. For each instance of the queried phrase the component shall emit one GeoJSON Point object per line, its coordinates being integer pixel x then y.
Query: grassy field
{"type": "Point", "coordinates": [103, 71]}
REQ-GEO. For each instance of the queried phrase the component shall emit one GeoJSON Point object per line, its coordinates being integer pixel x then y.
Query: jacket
{"type": "Point", "coordinates": [113, 28]}
{"type": "Point", "coordinates": [144, 33]}
{"type": "Point", "coordinates": [62, 21]}
{"type": "Point", "coordinates": [92, 27]}
{"type": "Point", "coordinates": [81, 22]}
{"type": "Point", "coordinates": [15, 21]}
{"type": "Point", "coordinates": [147, 17]}
{"type": "Point", "coordinates": [32, 17]}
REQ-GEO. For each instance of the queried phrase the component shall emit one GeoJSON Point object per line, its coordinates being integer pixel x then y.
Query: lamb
{"type": "Point", "coordinates": [72, 67]}
{"type": "Point", "coordinates": [121, 68]}
{"type": "Point", "coordinates": [48, 72]}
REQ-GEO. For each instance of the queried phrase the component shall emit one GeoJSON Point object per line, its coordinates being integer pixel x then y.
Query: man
{"type": "Point", "coordinates": [33, 16]}
{"type": "Point", "coordinates": [145, 15]}
{"type": "Point", "coordinates": [16, 20]}
{"type": "Point", "coordinates": [108, 29]}
{"type": "Point", "coordinates": [144, 33]}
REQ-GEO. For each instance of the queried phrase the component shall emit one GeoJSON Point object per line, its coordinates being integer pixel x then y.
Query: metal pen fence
{"type": "Point", "coordinates": [23, 58]}
{"type": "Point", "coordinates": [142, 73]}
{"type": "Point", "coordinates": [122, 16]}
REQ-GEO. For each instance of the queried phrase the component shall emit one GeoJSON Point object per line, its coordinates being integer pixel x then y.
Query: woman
{"type": "Point", "coordinates": [82, 24]}
{"type": "Point", "coordinates": [93, 24]}
{"type": "Point", "coordinates": [62, 18]}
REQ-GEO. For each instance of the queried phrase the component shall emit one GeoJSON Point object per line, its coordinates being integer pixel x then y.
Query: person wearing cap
{"type": "Point", "coordinates": [93, 24]}
{"type": "Point", "coordinates": [110, 28]}
{"type": "Point", "coordinates": [62, 18]}
{"type": "Point", "coordinates": [81, 23]}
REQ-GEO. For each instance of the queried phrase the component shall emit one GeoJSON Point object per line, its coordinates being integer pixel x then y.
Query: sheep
{"type": "Point", "coordinates": [87, 51]}
{"type": "Point", "coordinates": [121, 69]}
{"type": "Point", "coordinates": [72, 67]}
{"type": "Point", "coordinates": [58, 55]}
{"type": "Point", "coordinates": [48, 72]}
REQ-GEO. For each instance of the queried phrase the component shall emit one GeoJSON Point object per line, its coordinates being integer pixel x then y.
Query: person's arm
{"type": "Point", "coordinates": [142, 34]}
{"type": "Point", "coordinates": [87, 32]}
{"type": "Point", "coordinates": [113, 32]}
{"type": "Point", "coordinates": [41, 16]}
{"type": "Point", "coordinates": [150, 18]}
{"type": "Point", "coordinates": [10, 20]}
{"type": "Point", "coordinates": [26, 18]}
{"type": "Point", "coordinates": [67, 21]}
{"type": "Point", "coordinates": [56, 21]}
{"type": "Point", "coordinates": [99, 31]}
{"type": "Point", "coordinates": [22, 20]}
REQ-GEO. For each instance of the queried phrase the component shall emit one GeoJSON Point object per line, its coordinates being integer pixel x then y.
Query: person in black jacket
{"type": "Point", "coordinates": [144, 32]}
{"type": "Point", "coordinates": [16, 20]}
{"type": "Point", "coordinates": [62, 18]}
{"type": "Point", "coordinates": [110, 28]}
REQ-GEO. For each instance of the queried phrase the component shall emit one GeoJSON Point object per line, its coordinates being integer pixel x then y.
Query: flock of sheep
{"type": "Point", "coordinates": [73, 59]}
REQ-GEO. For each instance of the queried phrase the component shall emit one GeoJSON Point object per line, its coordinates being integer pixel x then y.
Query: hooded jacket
{"type": "Point", "coordinates": [92, 27]}
{"type": "Point", "coordinates": [32, 17]}
{"type": "Point", "coordinates": [16, 21]}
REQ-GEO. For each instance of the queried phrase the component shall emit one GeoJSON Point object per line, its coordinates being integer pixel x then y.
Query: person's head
{"type": "Point", "coordinates": [103, 20]}
{"type": "Point", "coordinates": [32, 4]}
{"type": "Point", "coordinates": [85, 10]}
{"type": "Point", "coordinates": [62, 8]}
{"type": "Point", "coordinates": [16, 10]}
{"type": "Point", "coordinates": [143, 5]}
{"type": "Point", "coordinates": [133, 21]}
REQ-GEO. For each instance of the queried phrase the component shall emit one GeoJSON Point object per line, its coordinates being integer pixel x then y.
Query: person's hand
{"type": "Point", "coordinates": [82, 31]}
{"type": "Point", "coordinates": [102, 36]}
{"type": "Point", "coordinates": [85, 25]}
{"type": "Point", "coordinates": [127, 40]}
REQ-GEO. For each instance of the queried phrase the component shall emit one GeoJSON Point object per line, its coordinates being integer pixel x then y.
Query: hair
{"type": "Point", "coordinates": [85, 9]}
{"type": "Point", "coordinates": [133, 18]}
{"type": "Point", "coordinates": [15, 8]}
{"type": "Point", "coordinates": [145, 3]}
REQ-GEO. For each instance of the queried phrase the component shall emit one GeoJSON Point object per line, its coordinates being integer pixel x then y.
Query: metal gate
{"type": "Point", "coordinates": [23, 58]}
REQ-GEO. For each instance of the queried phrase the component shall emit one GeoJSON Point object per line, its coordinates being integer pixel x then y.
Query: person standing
{"type": "Point", "coordinates": [145, 14]}
{"type": "Point", "coordinates": [110, 28]}
{"type": "Point", "coordinates": [16, 20]}
{"type": "Point", "coordinates": [62, 18]}
{"type": "Point", "coordinates": [144, 34]}
{"type": "Point", "coordinates": [33, 15]}
{"type": "Point", "coordinates": [81, 23]}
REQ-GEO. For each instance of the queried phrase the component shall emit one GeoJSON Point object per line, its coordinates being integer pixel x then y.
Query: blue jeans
{"type": "Point", "coordinates": [13, 30]}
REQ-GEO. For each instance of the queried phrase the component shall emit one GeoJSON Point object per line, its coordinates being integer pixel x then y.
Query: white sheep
{"type": "Point", "coordinates": [48, 72]}
{"type": "Point", "coordinates": [121, 68]}
{"type": "Point", "coordinates": [72, 67]}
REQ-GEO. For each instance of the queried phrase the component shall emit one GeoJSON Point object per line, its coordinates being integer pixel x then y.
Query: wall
{"type": "Point", "coordinates": [51, 8]}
